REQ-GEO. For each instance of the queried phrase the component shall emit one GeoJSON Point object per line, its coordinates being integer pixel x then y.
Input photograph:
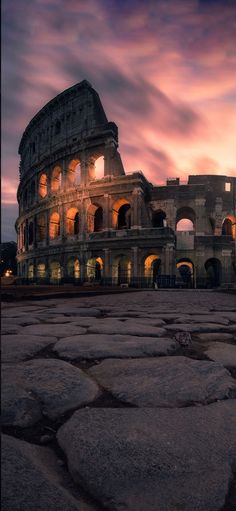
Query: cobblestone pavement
{"type": "Point", "coordinates": [120, 402]}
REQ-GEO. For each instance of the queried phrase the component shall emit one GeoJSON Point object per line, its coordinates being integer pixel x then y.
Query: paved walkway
{"type": "Point", "coordinates": [120, 402]}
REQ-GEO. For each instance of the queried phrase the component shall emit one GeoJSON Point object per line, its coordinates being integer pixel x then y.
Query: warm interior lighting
{"type": "Point", "coordinates": [43, 188]}
{"type": "Point", "coordinates": [227, 187]}
{"type": "Point", "coordinates": [8, 273]}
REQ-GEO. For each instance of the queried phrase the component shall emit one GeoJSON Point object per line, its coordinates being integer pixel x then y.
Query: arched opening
{"type": "Point", "coordinates": [43, 186]}
{"type": "Point", "coordinates": [56, 179]}
{"type": "Point", "coordinates": [185, 273]}
{"type": "Point", "coordinates": [31, 233]}
{"type": "Point", "coordinates": [95, 269]}
{"type": "Point", "coordinates": [73, 173]}
{"type": "Point", "coordinates": [30, 271]}
{"type": "Point", "coordinates": [73, 268]}
{"type": "Point", "coordinates": [185, 219]}
{"type": "Point", "coordinates": [229, 226]}
{"type": "Point", "coordinates": [213, 272]}
{"type": "Point", "coordinates": [72, 221]}
{"type": "Point", "coordinates": [121, 214]}
{"type": "Point", "coordinates": [152, 269]}
{"type": "Point", "coordinates": [99, 167]}
{"type": "Point", "coordinates": [55, 272]}
{"type": "Point", "coordinates": [159, 219]}
{"type": "Point", "coordinates": [54, 226]}
{"type": "Point", "coordinates": [121, 270]}
{"type": "Point", "coordinates": [95, 218]}
{"type": "Point", "coordinates": [41, 227]}
{"type": "Point", "coordinates": [41, 271]}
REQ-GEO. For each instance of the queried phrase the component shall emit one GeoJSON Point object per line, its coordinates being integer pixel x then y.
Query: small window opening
{"type": "Point", "coordinates": [227, 187]}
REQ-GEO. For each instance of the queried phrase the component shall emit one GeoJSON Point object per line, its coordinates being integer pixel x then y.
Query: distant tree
{"type": "Point", "coordinates": [8, 258]}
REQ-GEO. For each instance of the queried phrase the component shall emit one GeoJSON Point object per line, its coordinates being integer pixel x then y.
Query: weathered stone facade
{"type": "Point", "coordinates": [75, 226]}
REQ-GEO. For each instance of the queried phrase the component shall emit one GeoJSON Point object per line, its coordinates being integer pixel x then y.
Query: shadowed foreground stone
{"type": "Point", "coordinates": [31, 480]}
{"type": "Point", "coordinates": [166, 381]}
{"type": "Point", "coordinates": [223, 353]}
{"type": "Point", "coordinates": [127, 328]}
{"type": "Point", "coordinates": [43, 387]}
{"type": "Point", "coordinates": [151, 460]}
{"type": "Point", "coordinates": [197, 327]}
{"type": "Point", "coordinates": [104, 346]}
{"type": "Point", "coordinates": [16, 348]}
{"type": "Point", "coordinates": [214, 336]}
{"type": "Point", "coordinates": [69, 310]}
{"type": "Point", "coordinates": [57, 330]}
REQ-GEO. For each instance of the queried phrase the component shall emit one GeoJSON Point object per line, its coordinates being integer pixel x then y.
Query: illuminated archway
{"type": "Point", "coordinates": [229, 226]}
{"type": "Point", "coordinates": [54, 226]}
{"type": "Point", "coordinates": [56, 179]}
{"type": "Point", "coordinates": [95, 218]}
{"type": "Point", "coordinates": [121, 270]}
{"type": "Point", "coordinates": [55, 272]}
{"type": "Point", "coordinates": [73, 268]}
{"type": "Point", "coordinates": [30, 271]}
{"type": "Point", "coordinates": [41, 271]}
{"type": "Point", "coordinates": [121, 214]}
{"type": "Point", "coordinates": [185, 273]}
{"type": "Point", "coordinates": [43, 186]}
{"type": "Point", "coordinates": [99, 168]}
{"type": "Point", "coordinates": [72, 221]}
{"type": "Point", "coordinates": [152, 269]}
{"type": "Point", "coordinates": [73, 173]}
{"type": "Point", "coordinates": [94, 269]}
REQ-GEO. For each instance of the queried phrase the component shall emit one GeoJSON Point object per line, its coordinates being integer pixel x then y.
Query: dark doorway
{"type": "Point", "coordinates": [213, 272]}
{"type": "Point", "coordinates": [124, 217]}
{"type": "Point", "coordinates": [98, 220]}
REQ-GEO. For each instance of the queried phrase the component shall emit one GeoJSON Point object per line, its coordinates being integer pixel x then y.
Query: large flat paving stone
{"type": "Point", "coordinates": [32, 480]}
{"type": "Point", "coordinates": [153, 460]}
{"type": "Point", "coordinates": [126, 328]}
{"type": "Point", "coordinates": [108, 346]}
{"type": "Point", "coordinates": [165, 381]}
{"type": "Point", "coordinates": [69, 310]}
{"type": "Point", "coordinates": [214, 336]}
{"type": "Point", "coordinates": [223, 353]}
{"type": "Point", "coordinates": [197, 327]}
{"type": "Point", "coordinates": [8, 328]}
{"type": "Point", "coordinates": [31, 390]}
{"type": "Point", "coordinates": [16, 348]}
{"type": "Point", "coordinates": [203, 318]}
{"type": "Point", "coordinates": [60, 330]}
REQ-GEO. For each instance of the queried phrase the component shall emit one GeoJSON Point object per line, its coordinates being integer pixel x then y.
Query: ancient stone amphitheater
{"type": "Point", "coordinates": [83, 220]}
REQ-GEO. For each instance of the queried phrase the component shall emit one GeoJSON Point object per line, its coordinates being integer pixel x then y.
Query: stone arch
{"type": "Point", "coordinates": [43, 185]}
{"type": "Point", "coordinates": [185, 272]}
{"type": "Point", "coordinates": [152, 269]}
{"type": "Point", "coordinates": [31, 233]}
{"type": "Point", "coordinates": [213, 269]}
{"type": "Point", "coordinates": [229, 226]}
{"type": "Point", "coordinates": [94, 269]}
{"type": "Point", "coordinates": [95, 218]}
{"type": "Point", "coordinates": [159, 219]}
{"type": "Point", "coordinates": [72, 221]}
{"type": "Point", "coordinates": [185, 219]}
{"type": "Point", "coordinates": [56, 179]}
{"type": "Point", "coordinates": [25, 198]}
{"type": "Point", "coordinates": [121, 269]}
{"type": "Point", "coordinates": [54, 226]}
{"type": "Point", "coordinates": [55, 272]}
{"type": "Point", "coordinates": [32, 191]}
{"type": "Point", "coordinates": [41, 227]}
{"type": "Point", "coordinates": [121, 214]}
{"type": "Point", "coordinates": [73, 177]}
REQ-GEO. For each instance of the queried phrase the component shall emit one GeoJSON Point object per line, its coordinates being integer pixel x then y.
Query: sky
{"type": "Point", "coordinates": [165, 71]}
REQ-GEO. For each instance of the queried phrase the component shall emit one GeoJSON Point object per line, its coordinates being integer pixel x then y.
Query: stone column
{"type": "Point", "coordinates": [201, 224]}
{"type": "Point", "coordinates": [107, 272]}
{"type": "Point", "coordinates": [35, 231]}
{"type": "Point", "coordinates": [135, 272]}
{"type": "Point", "coordinates": [47, 226]}
{"type": "Point", "coordinates": [137, 208]}
{"type": "Point", "coordinates": [106, 212]}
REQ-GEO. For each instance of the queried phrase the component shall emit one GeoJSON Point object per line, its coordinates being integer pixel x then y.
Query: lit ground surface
{"type": "Point", "coordinates": [121, 402]}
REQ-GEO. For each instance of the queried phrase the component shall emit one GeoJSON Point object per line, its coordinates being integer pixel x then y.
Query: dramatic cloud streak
{"type": "Point", "coordinates": [165, 72]}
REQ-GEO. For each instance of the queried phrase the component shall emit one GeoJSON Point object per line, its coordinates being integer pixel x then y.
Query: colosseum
{"type": "Point", "coordinates": [82, 219]}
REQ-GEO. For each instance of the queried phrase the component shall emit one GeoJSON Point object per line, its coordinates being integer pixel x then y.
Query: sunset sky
{"type": "Point", "coordinates": [165, 71]}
